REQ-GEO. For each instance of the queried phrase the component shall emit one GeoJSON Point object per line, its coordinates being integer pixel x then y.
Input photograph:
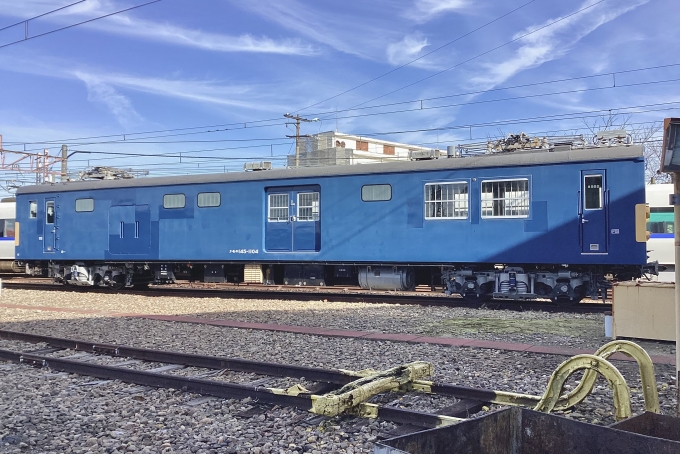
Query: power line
{"type": "Point", "coordinates": [419, 58]}
{"type": "Point", "coordinates": [279, 123]}
{"type": "Point", "coordinates": [566, 116]}
{"type": "Point", "coordinates": [27, 38]}
{"type": "Point", "coordinates": [514, 98]}
{"type": "Point", "coordinates": [509, 122]}
{"type": "Point", "coordinates": [479, 92]}
{"type": "Point", "coordinates": [40, 15]}
{"type": "Point", "coordinates": [422, 107]}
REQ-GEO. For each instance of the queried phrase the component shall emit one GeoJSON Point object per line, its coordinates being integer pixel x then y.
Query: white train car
{"type": "Point", "coordinates": [661, 228]}
{"type": "Point", "coordinates": [7, 226]}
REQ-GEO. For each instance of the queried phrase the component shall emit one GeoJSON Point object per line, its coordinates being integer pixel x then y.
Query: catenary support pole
{"type": "Point", "coordinates": [676, 235]}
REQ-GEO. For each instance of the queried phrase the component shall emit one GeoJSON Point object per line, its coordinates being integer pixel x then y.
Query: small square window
{"type": "Point", "coordinates": [376, 192]}
{"type": "Point", "coordinates": [174, 201]}
{"type": "Point", "coordinates": [209, 199]}
{"type": "Point", "coordinates": [32, 209]}
{"type": "Point", "coordinates": [84, 205]}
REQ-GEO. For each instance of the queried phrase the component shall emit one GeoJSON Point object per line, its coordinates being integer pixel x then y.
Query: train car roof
{"type": "Point", "coordinates": [510, 159]}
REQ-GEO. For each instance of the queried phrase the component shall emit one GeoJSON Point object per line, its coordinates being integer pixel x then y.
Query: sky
{"type": "Point", "coordinates": [179, 87]}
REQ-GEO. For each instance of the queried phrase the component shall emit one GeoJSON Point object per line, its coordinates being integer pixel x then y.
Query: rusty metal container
{"type": "Point", "coordinates": [652, 425]}
{"type": "Point", "coordinates": [521, 431]}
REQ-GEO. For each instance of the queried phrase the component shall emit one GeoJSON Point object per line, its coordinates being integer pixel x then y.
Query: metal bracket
{"type": "Point", "coordinates": [674, 199]}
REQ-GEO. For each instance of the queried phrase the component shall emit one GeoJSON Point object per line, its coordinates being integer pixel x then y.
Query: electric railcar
{"type": "Point", "coordinates": [661, 228]}
{"type": "Point", "coordinates": [526, 224]}
{"type": "Point", "coordinates": [7, 214]}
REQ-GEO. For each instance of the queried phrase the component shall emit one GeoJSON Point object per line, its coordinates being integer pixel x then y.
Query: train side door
{"type": "Point", "coordinates": [293, 219]}
{"type": "Point", "coordinates": [593, 212]}
{"type": "Point", "coordinates": [50, 235]}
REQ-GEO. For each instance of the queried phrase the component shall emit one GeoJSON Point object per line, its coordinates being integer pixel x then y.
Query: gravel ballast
{"type": "Point", "coordinates": [41, 411]}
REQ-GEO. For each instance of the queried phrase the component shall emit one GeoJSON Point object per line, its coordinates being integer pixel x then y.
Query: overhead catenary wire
{"type": "Point", "coordinates": [40, 15]}
{"type": "Point", "coordinates": [415, 109]}
{"type": "Point", "coordinates": [185, 154]}
{"type": "Point", "coordinates": [505, 122]}
{"type": "Point", "coordinates": [27, 38]}
{"type": "Point", "coordinates": [244, 125]}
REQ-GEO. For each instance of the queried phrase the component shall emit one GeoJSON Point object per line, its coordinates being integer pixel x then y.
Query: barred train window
{"type": "Point", "coordinates": [308, 206]}
{"type": "Point", "coordinates": [446, 200]}
{"type": "Point", "coordinates": [174, 201]}
{"type": "Point", "coordinates": [505, 199]}
{"type": "Point", "coordinates": [209, 199]}
{"type": "Point", "coordinates": [84, 205]}
{"type": "Point", "coordinates": [278, 208]}
{"type": "Point", "coordinates": [376, 192]}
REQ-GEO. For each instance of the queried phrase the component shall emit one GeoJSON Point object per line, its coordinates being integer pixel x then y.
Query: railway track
{"type": "Point", "coordinates": [140, 366]}
{"type": "Point", "coordinates": [313, 294]}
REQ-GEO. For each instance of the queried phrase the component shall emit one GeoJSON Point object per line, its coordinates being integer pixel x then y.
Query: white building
{"type": "Point", "coordinates": [335, 148]}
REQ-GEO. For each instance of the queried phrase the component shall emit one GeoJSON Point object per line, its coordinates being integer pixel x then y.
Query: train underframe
{"type": "Point", "coordinates": [564, 285]}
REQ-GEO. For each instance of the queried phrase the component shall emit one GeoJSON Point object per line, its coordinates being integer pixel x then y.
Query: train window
{"type": "Point", "coordinates": [209, 199]}
{"type": "Point", "coordinates": [446, 200]}
{"type": "Point", "coordinates": [7, 228]}
{"type": "Point", "coordinates": [84, 205]}
{"type": "Point", "coordinates": [505, 198]}
{"type": "Point", "coordinates": [661, 221]}
{"type": "Point", "coordinates": [49, 212]}
{"type": "Point", "coordinates": [593, 192]}
{"type": "Point", "coordinates": [174, 201]}
{"type": "Point", "coordinates": [308, 206]}
{"type": "Point", "coordinates": [278, 208]}
{"type": "Point", "coordinates": [32, 209]}
{"type": "Point", "coordinates": [376, 192]}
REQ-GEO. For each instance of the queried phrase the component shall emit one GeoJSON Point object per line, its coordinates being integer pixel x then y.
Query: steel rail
{"type": "Point", "coordinates": [242, 365]}
{"type": "Point", "coordinates": [419, 299]}
{"type": "Point", "coordinates": [207, 387]}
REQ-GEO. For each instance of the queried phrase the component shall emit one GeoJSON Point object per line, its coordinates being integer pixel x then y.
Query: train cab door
{"type": "Point", "coordinates": [293, 219]}
{"type": "Point", "coordinates": [50, 231]}
{"type": "Point", "coordinates": [593, 212]}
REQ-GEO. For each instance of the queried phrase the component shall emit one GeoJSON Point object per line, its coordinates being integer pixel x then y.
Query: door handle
{"type": "Point", "coordinates": [583, 221]}
{"type": "Point", "coordinates": [292, 219]}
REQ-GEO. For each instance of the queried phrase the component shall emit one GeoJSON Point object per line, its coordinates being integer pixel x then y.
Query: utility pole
{"type": "Point", "coordinates": [670, 162]}
{"type": "Point", "coordinates": [297, 135]}
{"type": "Point", "coordinates": [64, 160]}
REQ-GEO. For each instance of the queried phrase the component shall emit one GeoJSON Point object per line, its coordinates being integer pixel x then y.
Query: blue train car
{"type": "Point", "coordinates": [521, 224]}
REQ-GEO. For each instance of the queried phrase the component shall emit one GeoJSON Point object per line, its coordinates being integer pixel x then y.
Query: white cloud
{"type": "Point", "coordinates": [254, 97]}
{"type": "Point", "coordinates": [119, 105]}
{"type": "Point", "coordinates": [128, 24]}
{"type": "Point", "coordinates": [407, 49]}
{"type": "Point", "coordinates": [552, 42]}
{"type": "Point", "coordinates": [425, 10]}
{"type": "Point", "coordinates": [204, 40]}
{"type": "Point", "coordinates": [364, 32]}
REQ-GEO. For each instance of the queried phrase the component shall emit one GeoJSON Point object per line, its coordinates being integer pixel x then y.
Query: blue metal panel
{"type": "Point", "coordinates": [129, 229]}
